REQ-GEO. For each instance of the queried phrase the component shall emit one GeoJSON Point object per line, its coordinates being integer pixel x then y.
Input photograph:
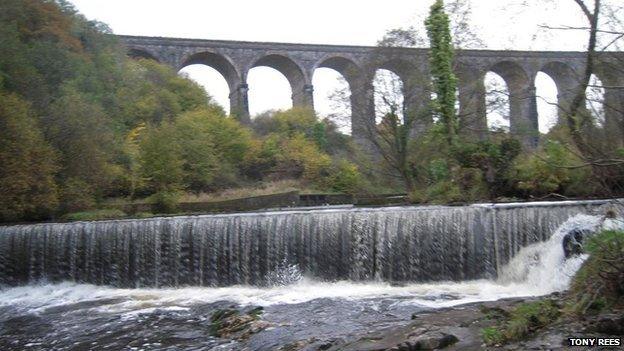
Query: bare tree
{"type": "Point", "coordinates": [598, 143]}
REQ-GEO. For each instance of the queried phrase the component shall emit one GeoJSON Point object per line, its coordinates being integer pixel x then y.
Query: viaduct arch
{"type": "Point", "coordinates": [357, 64]}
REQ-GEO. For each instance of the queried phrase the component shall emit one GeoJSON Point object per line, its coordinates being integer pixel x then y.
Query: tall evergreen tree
{"type": "Point", "coordinates": [441, 61]}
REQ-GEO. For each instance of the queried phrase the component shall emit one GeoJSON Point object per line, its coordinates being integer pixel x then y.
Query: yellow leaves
{"type": "Point", "coordinates": [298, 151]}
{"type": "Point", "coordinates": [132, 138]}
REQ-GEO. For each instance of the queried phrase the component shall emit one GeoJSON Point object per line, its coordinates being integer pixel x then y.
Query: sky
{"type": "Point", "coordinates": [501, 24]}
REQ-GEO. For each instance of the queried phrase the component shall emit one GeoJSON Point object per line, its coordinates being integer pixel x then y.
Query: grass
{"type": "Point", "coordinates": [522, 321]}
{"type": "Point", "coordinates": [492, 336]}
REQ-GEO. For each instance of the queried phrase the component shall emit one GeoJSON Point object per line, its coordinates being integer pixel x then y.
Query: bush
{"type": "Point", "coordinates": [165, 201]}
{"type": "Point", "coordinates": [599, 284]}
{"type": "Point", "coordinates": [76, 195]}
{"type": "Point", "coordinates": [345, 177]}
{"type": "Point", "coordinates": [547, 171]}
{"type": "Point", "coordinates": [493, 159]}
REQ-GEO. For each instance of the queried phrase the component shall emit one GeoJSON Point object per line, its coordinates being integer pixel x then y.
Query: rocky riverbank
{"type": "Point", "coordinates": [455, 328]}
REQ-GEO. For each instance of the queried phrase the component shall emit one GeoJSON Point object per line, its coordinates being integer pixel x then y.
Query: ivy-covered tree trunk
{"type": "Point", "coordinates": [441, 62]}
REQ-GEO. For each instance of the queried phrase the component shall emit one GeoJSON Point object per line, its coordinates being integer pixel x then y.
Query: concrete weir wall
{"type": "Point", "coordinates": [358, 64]}
{"type": "Point", "coordinates": [395, 244]}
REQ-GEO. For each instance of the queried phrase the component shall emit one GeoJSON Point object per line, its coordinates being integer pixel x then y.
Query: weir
{"type": "Point", "coordinates": [400, 244]}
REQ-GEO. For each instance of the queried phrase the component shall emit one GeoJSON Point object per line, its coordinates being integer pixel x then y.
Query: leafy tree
{"type": "Point", "coordinates": [301, 120]}
{"type": "Point", "coordinates": [441, 64]}
{"type": "Point", "coordinates": [80, 130]}
{"type": "Point", "coordinates": [212, 147]}
{"type": "Point", "coordinates": [154, 93]}
{"type": "Point", "coordinates": [161, 159]}
{"type": "Point", "coordinates": [28, 164]}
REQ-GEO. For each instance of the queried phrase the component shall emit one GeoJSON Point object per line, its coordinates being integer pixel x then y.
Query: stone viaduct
{"type": "Point", "coordinates": [358, 64]}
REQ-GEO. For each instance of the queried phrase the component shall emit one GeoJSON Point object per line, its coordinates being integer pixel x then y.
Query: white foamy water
{"type": "Point", "coordinates": [536, 270]}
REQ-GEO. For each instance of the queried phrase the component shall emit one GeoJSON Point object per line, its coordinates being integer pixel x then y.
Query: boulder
{"type": "Point", "coordinates": [573, 242]}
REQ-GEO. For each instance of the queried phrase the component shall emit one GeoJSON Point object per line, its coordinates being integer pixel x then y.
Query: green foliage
{"type": "Point", "coordinates": [300, 157]}
{"type": "Point", "coordinates": [94, 215]}
{"type": "Point", "coordinates": [212, 147]}
{"type": "Point", "coordinates": [492, 336]}
{"type": "Point", "coordinates": [28, 164]}
{"type": "Point", "coordinates": [345, 177]}
{"type": "Point", "coordinates": [165, 201]}
{"type": "Point", "coordinates": [522, 321]}
{"type": "Point", "coordinates": [76, 195]}
{"type": "Point", "coordinates": [598, 284]}
{"type": "Point", "coordinates": [445, 181]}
{"type": "Point", "coordinates": [548, 171]}
{"type": "Point", "coordinates": [154, 93]}
{"type": "Point", "coordinates": [295, 145]}
{"type": "Point", "coordinates": [299, 120]}
{"type": "Point", "coordinates": [79, 129]}
{"type": "Point", "coordinates": [493, 159]}
{"type": "Point", "coordinates": [161, 159]}
{"type": "Point", "coordinates": [441, 63]}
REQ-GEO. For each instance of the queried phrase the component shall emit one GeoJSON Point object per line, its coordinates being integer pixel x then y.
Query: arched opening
{"type": "Point", "coordinates": [546, 93]}
{"type": "Point", "coordinates": [275, 82]}
{"type": "Point", "coordinates": [515, 101]}
{"type": "Point", "coordinates": [268, 90]}
{"type": "Point", "coordinates": [332, 97]}
{"type": "Point", "coordinates": [559, 96]}
{"type": "Point", "coordinates": [141, 54]}
{"type": "Point", "coordinates": [388, 95]}
{"type": "Point", "coordinates": [210, 70]}
{"type": "Point", "coordinates": [497, 103]}
{"type": "Point", "coordinates": [336, 83]}
{"type": "Point", "coordinates": [594, 100]}
{"type": "Point", "coordinates": [212, 81]}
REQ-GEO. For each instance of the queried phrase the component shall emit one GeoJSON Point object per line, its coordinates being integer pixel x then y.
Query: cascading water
{"type": "Point", "coordinates": [416, 244]}
{"type": "Point", "coordinates": [323, 275]}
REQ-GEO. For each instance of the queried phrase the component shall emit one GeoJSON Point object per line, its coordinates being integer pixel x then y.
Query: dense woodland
{"type": "Point", "coordinates": [81, 124]}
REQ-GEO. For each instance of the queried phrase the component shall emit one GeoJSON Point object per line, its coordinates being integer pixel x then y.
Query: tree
{"type": "Point", "coordinates": [441, 62]}
{"type": "Point", "coordinates": [402, 107]}
{"type": "Point", "coordinates": [28, 164]}
{"type": "Point", "coordinates": [161, 160]}
{"type": "Point", "coordinates": [600, 149]}
{"type": "Point", "coordinates": [212, 148]}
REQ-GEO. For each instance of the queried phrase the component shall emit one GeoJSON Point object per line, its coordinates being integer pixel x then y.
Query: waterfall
{"type": "Point", "coordinates": [400, 244]}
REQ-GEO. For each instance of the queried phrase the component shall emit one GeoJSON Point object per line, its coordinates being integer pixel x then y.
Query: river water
{"type": "Point", "coordinates": [52, 308]}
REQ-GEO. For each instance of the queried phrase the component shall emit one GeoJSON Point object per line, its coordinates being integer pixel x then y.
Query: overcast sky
{"type": "Point", "coordinates": [501, 24]}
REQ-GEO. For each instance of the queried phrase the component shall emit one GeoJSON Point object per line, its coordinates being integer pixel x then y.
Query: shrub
{"type": "Point", "coordinates": [76, 195]}
{"type": "Point", "coordinates": [547, 171]}
{"type": "Point", "coordinates": [165, 201]}
{"type": "Point", "coordinates": [301, 158]}
{"type": "Point", "coordinates": [599, 283]}
{"type": "Point", "coordinates": [345, 177]}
